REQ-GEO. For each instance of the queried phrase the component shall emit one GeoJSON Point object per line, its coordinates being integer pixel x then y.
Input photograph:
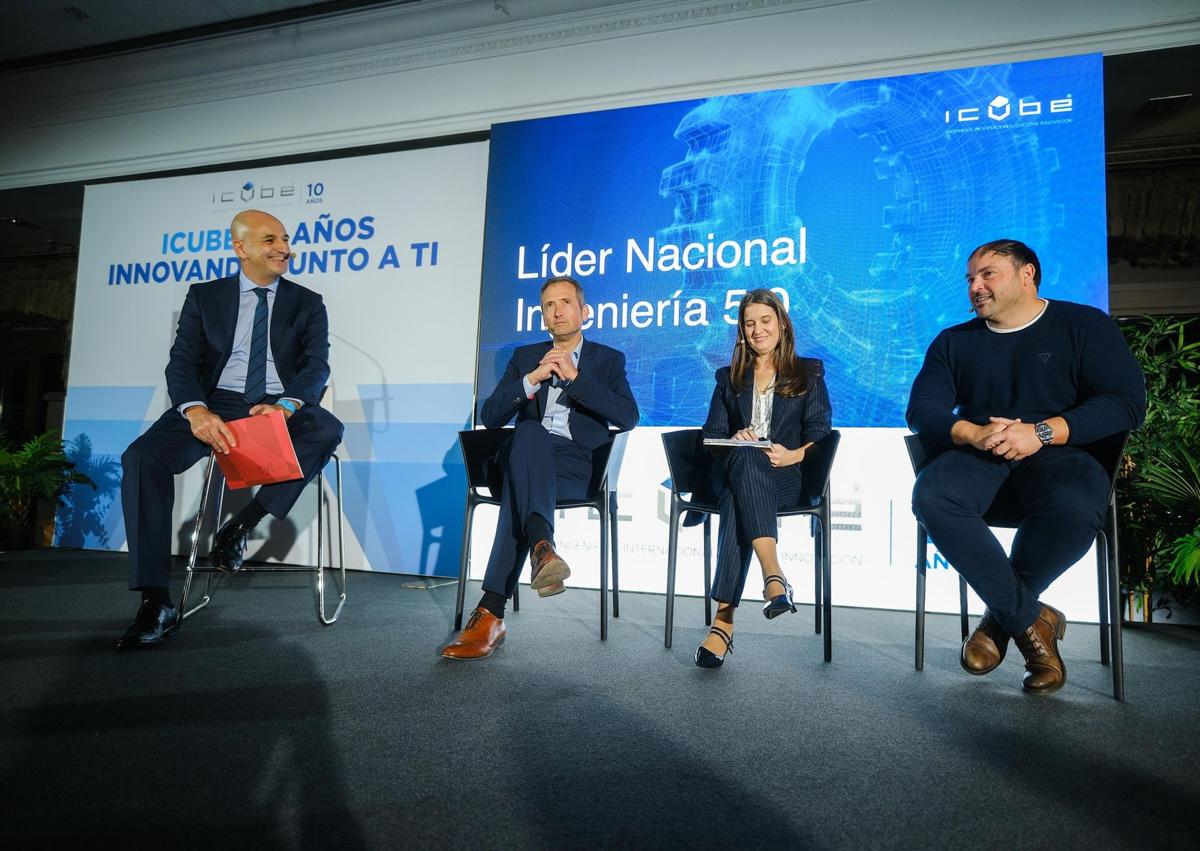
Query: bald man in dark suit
{"type": "Point", "coordinates": [246, 345]}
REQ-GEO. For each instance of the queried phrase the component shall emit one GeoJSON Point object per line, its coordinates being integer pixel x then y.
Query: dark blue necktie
{"type": "Point", "coordinates": [256, 371]}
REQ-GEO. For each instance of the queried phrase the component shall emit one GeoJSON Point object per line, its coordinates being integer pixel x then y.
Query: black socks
{"type": "Point", "coordinates": [251, 514]}
{"type": "Point", "coordinates": [538, 529]}
{"type": "Point", "coordinates": [494, 603]}
{"type": "Point", "coordinates": [158, 596]}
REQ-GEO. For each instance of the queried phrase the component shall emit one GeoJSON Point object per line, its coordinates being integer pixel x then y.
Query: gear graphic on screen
{"type": "Point", "coordinates": [905, 185]}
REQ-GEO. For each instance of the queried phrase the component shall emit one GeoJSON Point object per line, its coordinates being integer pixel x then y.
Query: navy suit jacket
{"type": "Point", "coordinates": [795, 420]}
{"type": "Point", "coordinates": [599, 395]}
{"type": "Point", "coordinates": [299, 338]}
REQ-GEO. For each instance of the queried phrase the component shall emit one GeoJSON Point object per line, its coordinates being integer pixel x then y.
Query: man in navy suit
{"type": "Point", "coordinates": [565, 394]}
{"type": "Point", "coordinates": [245, 346]}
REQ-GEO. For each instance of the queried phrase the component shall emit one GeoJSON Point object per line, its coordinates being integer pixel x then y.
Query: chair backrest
{"type": "Point", "coordinates": [919, 452]}
{"type": "Point", "coordinates": [690, 464]}
{"type": "Point", "coordinates": [1004, 512]}
{"type": "Point", "coordinates": [477, 448]}
{"type": "Point", "coordinates": [480, 445]}
{"type": "Point", "coordinates": [606, 463]}
{"type": "Point", "coordinates": [1109, 452]}
{"type": "Point", "coordinates": [817, 466]}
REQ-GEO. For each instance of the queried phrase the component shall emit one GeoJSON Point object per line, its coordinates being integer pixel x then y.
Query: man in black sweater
{"type": "Point", "coordinates": [1017, 391]}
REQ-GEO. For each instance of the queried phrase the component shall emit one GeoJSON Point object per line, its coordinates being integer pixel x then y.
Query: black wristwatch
{"type": "Point", "coordinates": [1044, 433]}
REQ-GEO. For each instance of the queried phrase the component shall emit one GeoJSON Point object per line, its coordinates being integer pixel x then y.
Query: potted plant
{"type": "Point", "coordinates": [1174, 477]}
{"type": "Point", "coordinates": [36, 470]}
{"type": "Point", "coordinates": [1158, 492]}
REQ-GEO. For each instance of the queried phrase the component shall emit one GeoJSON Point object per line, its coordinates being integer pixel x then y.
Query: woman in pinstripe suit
{"type": "Point", "coordinates": [766, 393]}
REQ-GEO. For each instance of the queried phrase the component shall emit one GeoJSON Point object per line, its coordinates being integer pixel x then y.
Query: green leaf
{"type": "Point", "coordinates": [1185, 564]}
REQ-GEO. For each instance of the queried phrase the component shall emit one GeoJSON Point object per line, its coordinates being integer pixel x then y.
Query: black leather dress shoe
{"type": "Point", "coordinates": [229, 547]}
{"type": "Point", "coordinates": [153, 623]}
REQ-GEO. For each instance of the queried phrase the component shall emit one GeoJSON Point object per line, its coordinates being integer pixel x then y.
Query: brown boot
{"type": "Point", "coordinates": [1044, 668]}
{"type": "Point", "coordinates": [548, 570]}
{"type": "Point", "coordinates": [984, 648]}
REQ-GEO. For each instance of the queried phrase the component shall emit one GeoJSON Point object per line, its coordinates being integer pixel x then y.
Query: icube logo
{"type": "Point", "coordinates": [248, 192]}
{"type": "Point", "coordinates": [1001, 108]}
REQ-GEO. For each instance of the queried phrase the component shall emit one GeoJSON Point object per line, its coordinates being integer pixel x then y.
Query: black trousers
{"type": "Point", "coordinates": [1062, 492]}
{"type": "Point", "coordinates": [537, 468]}
{"type": "Point", "coordinates": [754, 493]}
{"type": "Point", "coordinates": [167, 448]}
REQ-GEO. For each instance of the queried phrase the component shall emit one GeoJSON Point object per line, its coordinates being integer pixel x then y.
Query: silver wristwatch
{"type": "Point", "coordinates": [1044, 433]}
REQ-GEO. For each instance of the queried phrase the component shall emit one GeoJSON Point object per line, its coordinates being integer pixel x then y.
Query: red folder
{"type": "Point", "coordinates": [264, 452]}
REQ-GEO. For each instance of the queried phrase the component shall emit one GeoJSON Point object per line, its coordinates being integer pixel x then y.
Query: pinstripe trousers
{"type": "Point", "coordinates": [754, 492]}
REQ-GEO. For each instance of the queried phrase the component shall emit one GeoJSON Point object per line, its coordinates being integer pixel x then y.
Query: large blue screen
{"type": "Point", "coordinates": [858, 200]}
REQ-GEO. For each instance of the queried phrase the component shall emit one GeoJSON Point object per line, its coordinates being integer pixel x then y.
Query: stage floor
{"type": "Point", "coordinates": [256, 726]}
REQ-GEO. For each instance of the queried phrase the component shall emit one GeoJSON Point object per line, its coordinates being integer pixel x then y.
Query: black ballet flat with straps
{"type": "Point", "coordinates": [784, 602]}
{"type": "Point", "coordinates": [705, 658]}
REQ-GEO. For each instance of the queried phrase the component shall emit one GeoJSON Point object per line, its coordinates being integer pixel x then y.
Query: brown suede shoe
{"type": "Point", "coordinates": [984, 649]}
{"type": "Point", "coordinates": [1044, 668]}
{"type": "Point", "coordinates": [549, 570]}
{"type": "Point", "coordinates": [481, 636]}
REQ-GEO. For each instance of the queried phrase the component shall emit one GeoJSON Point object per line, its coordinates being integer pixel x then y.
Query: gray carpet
{"type": "Point", "coordinates": [255, 726]}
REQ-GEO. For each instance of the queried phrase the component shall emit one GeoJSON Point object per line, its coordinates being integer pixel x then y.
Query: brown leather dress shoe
{"type": "Point", "coordinates": [481, 636]}
{"type": "Point", "coordinates": [984, 649]}
{"type": "Point", "coordinates": [1044, 668]}
{"type": "Point", "coordinates": [549, 570]}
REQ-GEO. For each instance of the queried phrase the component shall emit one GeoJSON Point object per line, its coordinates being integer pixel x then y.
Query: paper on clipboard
{"type": "Point", "coordinates": [264, 453]}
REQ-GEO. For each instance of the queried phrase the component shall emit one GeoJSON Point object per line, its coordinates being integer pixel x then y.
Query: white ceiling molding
{"type": "Point", "coordinates": [183, 75]}
{"type": "Point", "coordinates": [452, 66]}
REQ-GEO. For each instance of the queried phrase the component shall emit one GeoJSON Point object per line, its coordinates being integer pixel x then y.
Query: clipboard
{"type": "Point", "coordinates": [748, 444]}
{"type": "Point", "coordinates": [264, 453]}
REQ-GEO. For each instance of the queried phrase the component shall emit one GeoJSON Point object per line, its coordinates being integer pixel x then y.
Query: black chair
{"type": "Point", "coordinates": [1005, 514]}
{"type": "Point", "coordinates": [478, 446]}
{"type": "Point", "coordinates": [692, 472]}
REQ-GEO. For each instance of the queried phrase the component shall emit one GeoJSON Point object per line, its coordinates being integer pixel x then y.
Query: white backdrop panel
{"type": "Point", "coordinates": [392, 242]}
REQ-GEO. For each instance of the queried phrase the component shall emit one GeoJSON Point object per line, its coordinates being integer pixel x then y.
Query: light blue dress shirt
{"type": "Point", "coordinates": [233, 376]}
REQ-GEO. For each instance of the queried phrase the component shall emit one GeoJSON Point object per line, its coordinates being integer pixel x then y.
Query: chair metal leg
{"type": "Point", "coordinates": [195, 550]}
{"type": "Point", "coordinates": [341, 568]}
{"type": "Point", "coordinates": [213, 479]}
{"type": "Point", "coordinates": [1102, 592]}
{"type": "Point", "coordinates": [817, 550]}
{"type": "Point", "coordinates": [708, 614]}
{"type": "Point", "coordinates": [603, 570]}
{"type": "Point", "coordinates": [922, 554]}
{"type": "Point", "coordinates": [827, 577]}
{"type": "Point", "coordinates": [464, 563]}
{"type": "Point", "coordinates": [962, 607]}
{"type": "Point", "coordinates": [319, 585]}
{"type": "Point", "coordinates": [672, 546]}
{"type": "Point", "coordinates": [337, 465]}
{"type": "Point", "coordinates": [615, 519]}
{"type": "Point", "coordinates": [516, 597]}
{"type": "Point", "coordinates": [1114, 596]}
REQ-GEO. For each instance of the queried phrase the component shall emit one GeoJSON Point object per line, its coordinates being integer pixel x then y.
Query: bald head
{"type": "Point", "coordinates": [247, 220]}
{"type": "Point", "coordinates": [261, 245]}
